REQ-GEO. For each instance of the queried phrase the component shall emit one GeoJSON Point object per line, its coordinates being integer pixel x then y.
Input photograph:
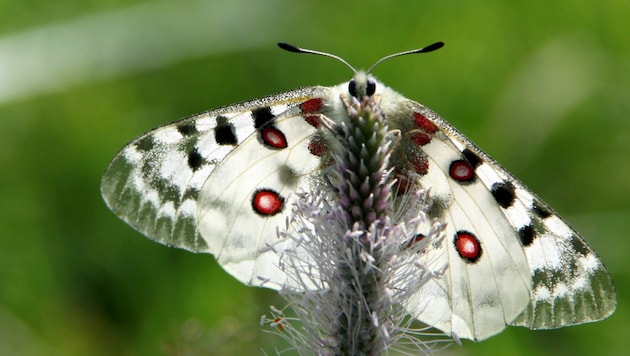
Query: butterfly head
{"type": "Point", "coordinates": [362, 85]}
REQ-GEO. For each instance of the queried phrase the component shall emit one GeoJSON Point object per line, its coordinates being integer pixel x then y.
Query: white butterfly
{"type": "Point", "coordinates": [222, 181]}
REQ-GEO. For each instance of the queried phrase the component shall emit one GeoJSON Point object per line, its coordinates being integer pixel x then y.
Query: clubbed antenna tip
{"type": "Point", "coordinates": [288, 47]}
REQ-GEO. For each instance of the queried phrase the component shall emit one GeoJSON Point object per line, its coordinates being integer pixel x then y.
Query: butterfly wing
{"type": "Point", "coordinates": [571, 284]}
{"type": "Point", "coordinates": [189, 184]}
{"type": "Point", "coordinates": [511, 259]}
{"type": "Point", "coordinates": [243, 204]}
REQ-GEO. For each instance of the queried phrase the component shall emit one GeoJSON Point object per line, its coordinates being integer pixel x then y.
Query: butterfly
{"type": "Point", "coordinates": [223, 182]}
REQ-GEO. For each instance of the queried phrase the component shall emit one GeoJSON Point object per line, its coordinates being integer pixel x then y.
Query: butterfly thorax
{"type": "Point", "coordinates": [410, 130]}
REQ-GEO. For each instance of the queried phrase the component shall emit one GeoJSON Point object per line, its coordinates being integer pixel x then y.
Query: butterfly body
{"type": "Point", "coordinates": [223, 182]}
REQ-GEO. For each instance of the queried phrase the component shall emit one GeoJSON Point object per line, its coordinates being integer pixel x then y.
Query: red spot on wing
{"type": "Point", "coordinates": [425, 130]}
{"type": "Point", "coordinates": [420, 162]}
{"type": "Point", "coordinates": [273, 137]}
{"type": "Point", "coordinates": [423, 123]}
{"type": "Point", "coordinates": [420, 138]}
{"type": "Point", "coordinates": [467, 246]}
{"type": "Point", "coordinates": [310, 109]}
{"type": "Point", "coordinates": [313, 120]}
{"type": "Point", "coordinates": [267, 202]}
{"type": "Point", "coordinates": [461, 171]}
{"type": "Point", "coordinates": [311, 106]}
{"type": "Point", "coordinates": [317, 146]}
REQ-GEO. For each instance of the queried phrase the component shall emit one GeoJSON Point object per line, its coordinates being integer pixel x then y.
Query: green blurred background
{"type": "Point", "coordinates": [543, 87]}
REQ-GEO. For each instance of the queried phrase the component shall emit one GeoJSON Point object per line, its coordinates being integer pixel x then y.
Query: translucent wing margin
{"type": "Point", "coordinates": [571, 284]}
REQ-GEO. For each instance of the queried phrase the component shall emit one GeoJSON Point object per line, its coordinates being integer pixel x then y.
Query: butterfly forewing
{"type": "Point", "coordinates": [155, 182]}
{"type": "Point", "coordinates": [244, 237]}
{"type": "Point", "coordinates": [150, 186]}
{"type": "Point", "coordinates": [488, 282]}
{"type": "Point", "coordinates": [543, 274]}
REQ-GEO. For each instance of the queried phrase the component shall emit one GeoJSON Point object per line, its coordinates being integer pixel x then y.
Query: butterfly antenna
{"type": "Point", "coordinates": [291, 48]}
{"type": "Point", "coordinates": [429, 48]}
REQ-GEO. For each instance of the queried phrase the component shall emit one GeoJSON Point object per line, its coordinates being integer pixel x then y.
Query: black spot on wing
{"type": "Point", "coordinates": [579, 245]}
{"type": "Point", "coordinates": [503, 193]}
{"type": "Point", "coordinates": [262, 116]}
{"type": "Point", "coordinates": [187, 129]}
{"type": "Point", "coordinates": [195, 161]}
{"type": "Point", "coordinates": [540, 209]}
{"type": "Point", "coordinates": [472, 158]}
{"type": "Point", "coordinates": [224, 132]}
{"type": "Point", "coordinates": [526, 234]}
{"type": "Point", "coordinates": [145, 144]}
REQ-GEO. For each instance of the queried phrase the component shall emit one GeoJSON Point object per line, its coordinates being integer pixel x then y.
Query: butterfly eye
{"type": "Point", "coordinates": [370, 87]}
{"type": "Point", "coordinates": [352, 88]}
